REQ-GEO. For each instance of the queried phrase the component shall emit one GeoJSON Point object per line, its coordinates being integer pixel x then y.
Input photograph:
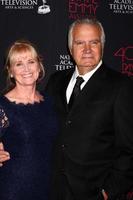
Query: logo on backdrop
{"type": "Point", "coordinates": [64, 63]}
{"type": "Point", "coordinates": [82, 8]}
{"type": "Point", "coordinates": [126, 56]}
{"type": "Point", "coordinates": [43, 9]}
{"type": "Point", "coordinates": [122, 6]}
{"type": "Point", "coordinates": [26, 5]}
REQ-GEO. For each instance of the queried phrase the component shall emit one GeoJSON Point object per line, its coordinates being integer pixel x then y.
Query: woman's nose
{"type": "Point", "coordinates": [26, 67]}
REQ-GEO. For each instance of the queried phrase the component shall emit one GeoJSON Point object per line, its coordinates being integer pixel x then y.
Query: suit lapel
{"type": "Point", "coordinates": [63, 87]}
{"type": "Point", "coordinates": [94, 88]}
{"type": "Point", "coordinates": [90, 92]}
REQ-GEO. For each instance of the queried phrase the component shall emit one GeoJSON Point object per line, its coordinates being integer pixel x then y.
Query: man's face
{"type": "Point", "coordinates": [86, 47]}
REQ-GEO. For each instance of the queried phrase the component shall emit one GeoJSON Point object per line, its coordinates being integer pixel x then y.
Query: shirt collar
{"type": "Point", "coordinates": [88, 74]}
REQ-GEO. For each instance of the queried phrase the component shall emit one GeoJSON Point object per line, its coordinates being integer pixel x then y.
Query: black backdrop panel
{"type": "Point", "coordinates": [47, 29]}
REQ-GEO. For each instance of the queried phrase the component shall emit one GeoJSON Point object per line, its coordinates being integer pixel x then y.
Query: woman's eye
{"type": "Point", "coordinates": [31, 61]}
{"type": "Point", "coordinates": [18, 64]}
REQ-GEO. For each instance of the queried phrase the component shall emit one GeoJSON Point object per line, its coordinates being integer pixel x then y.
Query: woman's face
{"type": "Point", "coordinates": [24, 68]}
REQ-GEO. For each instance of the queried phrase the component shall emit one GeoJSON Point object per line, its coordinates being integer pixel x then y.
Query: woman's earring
{"type": "Point", "coordinates": [11, 75]}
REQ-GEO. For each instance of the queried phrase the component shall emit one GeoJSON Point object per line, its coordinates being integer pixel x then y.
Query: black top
{"type": "Point", "coordinates": [29, 139]}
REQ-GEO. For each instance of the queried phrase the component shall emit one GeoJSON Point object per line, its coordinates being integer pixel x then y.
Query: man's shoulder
{"type": "Point", "coordinates": [114, 74]}
{"type": "Point", "coordinates": [58, 79]}
{"type": "Point", "coordinates": [59, 75]}
{"type": "Point", "coordinates": [117, 78]}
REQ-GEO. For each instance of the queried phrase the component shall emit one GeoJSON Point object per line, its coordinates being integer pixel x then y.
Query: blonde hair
{"type": "Point", "coordinates": [19, 47]}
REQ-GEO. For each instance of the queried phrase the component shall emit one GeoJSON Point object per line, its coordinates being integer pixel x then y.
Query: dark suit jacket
{"type": "Point", "coordinates": [95, 145]}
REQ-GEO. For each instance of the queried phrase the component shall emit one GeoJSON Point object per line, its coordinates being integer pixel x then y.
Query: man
{"type": "Point", "coordinates": [94, 152]}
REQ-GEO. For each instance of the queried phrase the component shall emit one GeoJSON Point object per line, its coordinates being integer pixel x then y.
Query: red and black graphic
{"type": "Point", "coordinates": [126, 56]}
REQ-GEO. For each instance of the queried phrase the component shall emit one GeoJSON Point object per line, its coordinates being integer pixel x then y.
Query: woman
{"type": "Point", "coordinates": [30, 128]}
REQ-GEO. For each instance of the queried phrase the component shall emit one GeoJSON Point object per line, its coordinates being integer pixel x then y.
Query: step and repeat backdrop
{"type": "Point", "coordinates": [45, 23]}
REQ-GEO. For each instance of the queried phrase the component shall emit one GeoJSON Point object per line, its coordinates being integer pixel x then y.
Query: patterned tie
{"type": "Point", "coordinates": [76, 91]}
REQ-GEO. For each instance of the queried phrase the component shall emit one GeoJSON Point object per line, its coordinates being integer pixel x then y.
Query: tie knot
{"type": "Point", "coordinates": [79, 80]}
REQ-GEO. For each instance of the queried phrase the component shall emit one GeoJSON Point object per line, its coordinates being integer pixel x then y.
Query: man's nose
{"type": "Point", "coordinates": [87, 47]}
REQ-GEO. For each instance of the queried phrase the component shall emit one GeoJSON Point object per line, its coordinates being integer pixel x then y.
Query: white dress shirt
{"type": "Point", "coordinates": [72, 82]}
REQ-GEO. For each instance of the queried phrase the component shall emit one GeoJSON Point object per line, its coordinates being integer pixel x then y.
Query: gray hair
{"type": "Point", "coordinates": [89, 21]}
